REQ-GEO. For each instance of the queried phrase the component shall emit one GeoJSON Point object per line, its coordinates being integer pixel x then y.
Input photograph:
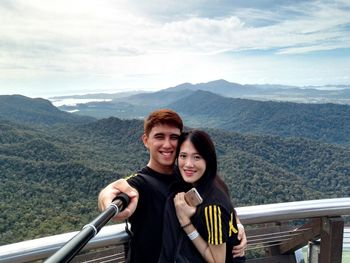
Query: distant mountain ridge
{"type": "Point", "coordinates": [199, 108]}
{"type": "Point", "coordinates": [326, 122]}
{"type": "Point", "coordinates": [307, 94]}
{"type": "Point", "coordinates": [225, 105]}
{"type": "Point", "coordinates": [22, 109]}
{"type": "Point", "coordinates": [272, 92]}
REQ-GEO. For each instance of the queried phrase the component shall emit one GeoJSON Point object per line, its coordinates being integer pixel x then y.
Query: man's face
{"type": "Point", "coordinates": [161, 143]}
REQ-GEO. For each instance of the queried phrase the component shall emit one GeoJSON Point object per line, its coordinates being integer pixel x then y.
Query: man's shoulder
{"type": "Point", "coordinates": [142, 178]}
{"type": "Point", "coordinates": [147, 180]}
{"type": "Point", "coordinates": [135, 177]}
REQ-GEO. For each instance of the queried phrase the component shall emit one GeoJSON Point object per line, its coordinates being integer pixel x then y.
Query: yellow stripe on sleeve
{"type": "Point", "coordinates": [220, 225]}
{"type": "Point", "coordinates": [207, 222]}
{"type": "Point", "coordinates": [214, 224]}
{"type": "Point", "coordinates": [130, 176]}
{"type": "Point", "coordinates": [211, 224]}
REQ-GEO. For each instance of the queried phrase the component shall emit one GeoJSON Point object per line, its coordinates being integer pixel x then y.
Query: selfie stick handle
{"type": "Point", "coordinates": [74, 245]}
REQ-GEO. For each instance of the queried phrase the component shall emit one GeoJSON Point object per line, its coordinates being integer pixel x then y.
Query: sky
{"type": "Point", "coordinates": [52, 48]}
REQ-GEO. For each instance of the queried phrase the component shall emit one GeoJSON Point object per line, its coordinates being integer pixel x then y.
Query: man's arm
{"type": "Point", "coordinates": [239, 250]}
{"type": "Point", "coordinates": [107, 195]}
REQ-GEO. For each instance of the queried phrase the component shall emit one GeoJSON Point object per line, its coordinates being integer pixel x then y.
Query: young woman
{"type": "Point", "coordinates": [208, 232]}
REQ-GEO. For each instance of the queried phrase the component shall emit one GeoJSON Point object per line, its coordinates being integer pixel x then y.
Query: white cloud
{"type": "Point", "coordinates": [131, 42]}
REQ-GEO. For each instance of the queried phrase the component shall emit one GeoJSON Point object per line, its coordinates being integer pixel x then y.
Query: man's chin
{"type": "Point", "coordinates": [168, 161]}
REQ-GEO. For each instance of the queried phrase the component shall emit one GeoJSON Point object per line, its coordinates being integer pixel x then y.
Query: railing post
{"type": "Point", "coordinates": [273, 250]}
{"type": "Point", "coordinates": [331, 240]}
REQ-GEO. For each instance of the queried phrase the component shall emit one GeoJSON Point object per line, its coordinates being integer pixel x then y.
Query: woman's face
{"type": "Point", "coordinates": [191, 164]}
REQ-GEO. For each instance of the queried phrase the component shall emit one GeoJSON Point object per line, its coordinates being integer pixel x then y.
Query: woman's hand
{"type": "Point", "coordinates": [183, 211]}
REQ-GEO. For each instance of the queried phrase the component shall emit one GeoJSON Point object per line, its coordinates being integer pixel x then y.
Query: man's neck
{"type": "Point", "coordinates": [161, 170]}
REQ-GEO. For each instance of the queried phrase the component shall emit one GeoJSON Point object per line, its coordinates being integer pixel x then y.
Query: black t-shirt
{"type": "Point", "coordinates": [214, 220]}
{"type": "Point", "coordinates": [147, 221]}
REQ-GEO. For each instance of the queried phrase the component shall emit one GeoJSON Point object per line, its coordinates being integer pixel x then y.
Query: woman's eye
{"type": "Point", "coordinates": [197, 157]}
{"type": "Point", "coordinates": [182, 156]}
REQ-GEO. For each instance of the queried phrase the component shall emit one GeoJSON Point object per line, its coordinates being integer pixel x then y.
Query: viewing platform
{"type": "Point", "coordinates": [275, 232]}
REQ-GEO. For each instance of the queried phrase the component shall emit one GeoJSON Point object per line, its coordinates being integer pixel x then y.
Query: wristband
{"type": "Point", "coordinates": [193, 235]}
{"type": "Point", "coordinates": [240, 226]}
{"type": "Point", "coordinates": [186, 225]}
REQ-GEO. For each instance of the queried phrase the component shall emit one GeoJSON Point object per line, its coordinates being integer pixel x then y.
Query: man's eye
{"type": "Point", "coordinates": [175, 137]}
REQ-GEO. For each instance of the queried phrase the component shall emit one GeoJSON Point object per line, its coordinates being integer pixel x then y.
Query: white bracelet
{"type": "Point", "coordinates": [240, 226]}
{"type": "Point", "coordinates": [193, 235]}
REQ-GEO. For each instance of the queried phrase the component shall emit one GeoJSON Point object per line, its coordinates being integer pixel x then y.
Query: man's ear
{"type": "Point", "coordinates": [145, 140]}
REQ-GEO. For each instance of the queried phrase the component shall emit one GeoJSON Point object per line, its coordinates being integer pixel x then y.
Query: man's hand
{"type": "Point", "coordinates": [239, 250]}
{"type": "Point", "coordinates": [107, 195]}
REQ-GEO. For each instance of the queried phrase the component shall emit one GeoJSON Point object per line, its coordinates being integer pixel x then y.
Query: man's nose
{"type": "Point", "coordinates": [167, 142]}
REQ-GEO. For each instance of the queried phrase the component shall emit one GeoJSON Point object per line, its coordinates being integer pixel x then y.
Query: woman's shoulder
{"type": "Point", "coordinates": [218, 198]}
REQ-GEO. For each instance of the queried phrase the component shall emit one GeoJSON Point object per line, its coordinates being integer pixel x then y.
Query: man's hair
{"type": "Point", "coordinates": [162, 116]}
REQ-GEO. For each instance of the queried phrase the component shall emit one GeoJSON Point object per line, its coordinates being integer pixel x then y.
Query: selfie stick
{"type": "Point", "coordinates": [74, 245]}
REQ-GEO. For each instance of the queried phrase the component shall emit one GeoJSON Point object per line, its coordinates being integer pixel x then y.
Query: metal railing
{"type": "Point", "coordinates": [281, 230]}
{"type": "Point", "coordinates": [278, 230]}
{"type": "Point", "coordinates": [41, 248]}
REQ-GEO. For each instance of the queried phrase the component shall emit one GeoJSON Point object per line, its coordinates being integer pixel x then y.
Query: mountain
{"type": "Point", "coordinates": [52, 174]}
{"type": "Point", "coordinates": [225, 105]}
{"type": "Point", "coordinates": [339, 94]}
{"type": "Point", "coordinates": [221, 87]}
{"type": "Point", "coordinates": [326, 94]}
{"type": "Point", "coordinates": [325, 122]}
{"type": "Point", "coordinates": [132, 107]}
{"type": "Point", "coordinates": [22, 109]}
{"type": "Point", "coordinates": [137, 104]}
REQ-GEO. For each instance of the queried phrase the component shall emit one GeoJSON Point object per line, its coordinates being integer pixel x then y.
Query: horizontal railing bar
{"type": "Point", "coordinates": [103, 258]}
{"type": "Point", "coordinates": [293, 210]}
{"type": "Point", "coordinates": [282, 232]}
{"type": "Point", "coordinates": [274, 242]}
{"type": "Point", "coordinates": [262, 246]}
{"type": "Point", "coordinates": [270, 239]}
{"type": "Point", "coordinates": [36, 249]}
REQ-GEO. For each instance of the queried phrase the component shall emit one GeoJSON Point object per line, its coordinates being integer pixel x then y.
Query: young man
{"type": "Point", "coordinates": [148, 192]}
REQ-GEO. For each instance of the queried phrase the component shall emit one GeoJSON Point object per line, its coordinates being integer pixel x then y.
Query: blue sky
{"type": "Point", "coordinates": [50, 48]}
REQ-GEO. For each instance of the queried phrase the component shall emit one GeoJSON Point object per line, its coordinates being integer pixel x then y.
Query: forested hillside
{"type": "Point", "coordinates": [51, 176]}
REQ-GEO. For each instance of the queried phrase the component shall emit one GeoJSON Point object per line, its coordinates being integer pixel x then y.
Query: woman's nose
{"type": "Point", "coordinates": [189, 162]}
